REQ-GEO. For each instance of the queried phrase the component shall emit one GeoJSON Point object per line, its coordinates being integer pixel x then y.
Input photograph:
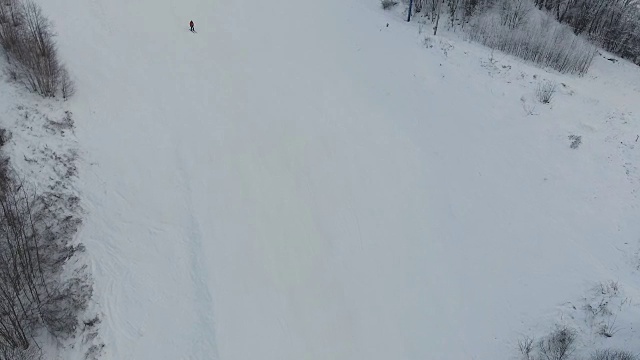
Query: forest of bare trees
{"type": "Point", "coordinates": [35, 296]}
{"type": "Point", "coordinates": [611, 24]}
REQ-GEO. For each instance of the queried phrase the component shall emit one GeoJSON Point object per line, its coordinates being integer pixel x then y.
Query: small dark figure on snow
{"type": "Point", "coordinates": [192, 26]}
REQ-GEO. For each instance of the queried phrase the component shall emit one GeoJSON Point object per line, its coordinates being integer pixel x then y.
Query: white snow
{"type": "Point", "coordinates": [299, 181]}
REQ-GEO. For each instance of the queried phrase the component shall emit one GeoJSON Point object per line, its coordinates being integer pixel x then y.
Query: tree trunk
{"type": "Point", "coordinates": [435, 28]}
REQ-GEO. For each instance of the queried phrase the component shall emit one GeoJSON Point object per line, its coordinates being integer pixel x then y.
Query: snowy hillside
{"type": "Point", "coordinates": [300, 180]}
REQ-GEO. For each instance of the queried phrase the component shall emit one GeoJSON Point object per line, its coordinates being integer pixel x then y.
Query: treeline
{"type": "Point", "coordinates": [612, 24]}
{"type": "Point", "coordinates": [27, 40]}
{"type": "Point", "coordinates": [39, 298]}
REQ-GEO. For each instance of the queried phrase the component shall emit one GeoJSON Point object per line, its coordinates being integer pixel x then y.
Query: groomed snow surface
{"type": "Point", "coordinates": [299, 180]}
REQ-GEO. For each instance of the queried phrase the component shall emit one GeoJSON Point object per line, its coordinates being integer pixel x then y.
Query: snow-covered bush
{"type": "Point", "coordinates": [428, 42]}
{"type": "Point", "coordinates": [536, 37]}
{"type": "Point", "coordinates": [545, 91]}
{"type": "Point", "coordinates": [559, 345]}
{"type": "Point", "coordinates": [576, 140]}
{"type": "Point", "coordinates": [525, 345]}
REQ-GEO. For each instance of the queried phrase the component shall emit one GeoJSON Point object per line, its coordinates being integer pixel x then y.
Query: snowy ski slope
{"type": "Point", "coordinates": [299, 181]}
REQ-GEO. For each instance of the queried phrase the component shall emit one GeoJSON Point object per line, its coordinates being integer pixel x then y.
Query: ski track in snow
{"type": "Point", "coordinates": [203, 335]}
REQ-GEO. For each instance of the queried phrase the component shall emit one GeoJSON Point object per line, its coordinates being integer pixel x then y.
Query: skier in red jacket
{"type": "Point", "coordinates": [192, 26]}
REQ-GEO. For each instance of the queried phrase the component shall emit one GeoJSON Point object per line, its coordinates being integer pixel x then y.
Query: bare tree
{"type": "Point", "coordinates": [10, 21]}
{"type": "Point", "coordinates": [525, 345]}
{"type": "Point", "coordinates": [438, 11]}
{"type": "Point", "coordinates": [41, 54]}
{"type": "Point", "coordinates": [514, 12]}
{"type": "Point", "coordinates": [26, 36]}
{"type": "Point", "coordinates": [453, 7]}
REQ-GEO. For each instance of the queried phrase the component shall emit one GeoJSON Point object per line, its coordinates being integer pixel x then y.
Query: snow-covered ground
{"type": "Point", "coordinates": [299, 180]}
